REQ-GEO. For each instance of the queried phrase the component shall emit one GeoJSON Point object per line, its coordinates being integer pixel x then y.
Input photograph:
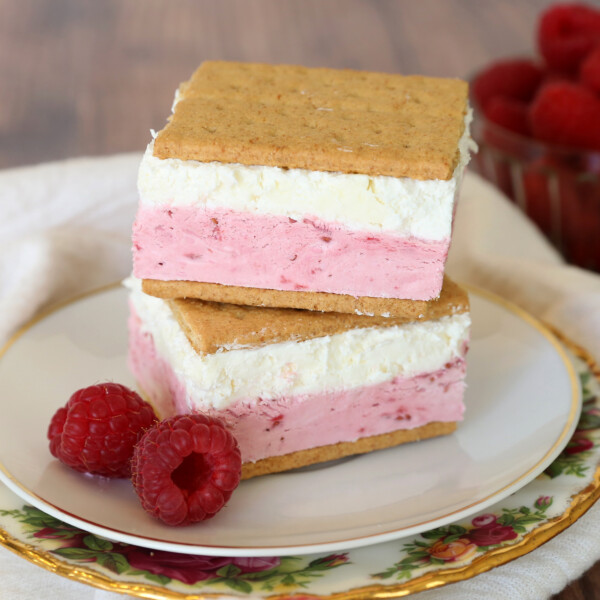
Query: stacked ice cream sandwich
{"type": "Point", "coordinates": [289, 254]}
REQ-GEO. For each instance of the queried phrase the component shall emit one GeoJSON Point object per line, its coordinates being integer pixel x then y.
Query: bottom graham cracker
{"type": "Point", "coordinates": [311, 456]}
{"type": "Point", "coordinates": [320, 454]}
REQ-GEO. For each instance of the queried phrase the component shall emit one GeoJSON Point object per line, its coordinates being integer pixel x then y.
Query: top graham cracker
{"type": "Point", "coordinates": [214, 327]}
{"type": "Point", "coordinates": [318, 119]}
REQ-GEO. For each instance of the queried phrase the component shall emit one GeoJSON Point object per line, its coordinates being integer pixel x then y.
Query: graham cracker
{"type": "Point", "coordinates": [318, 119]}
{"type": "Point", "coordinates": [303, 458]}
{"type": "Point", "coordinates": [216, 327]}
{"type": "Point", "coordinates": [316, 301]}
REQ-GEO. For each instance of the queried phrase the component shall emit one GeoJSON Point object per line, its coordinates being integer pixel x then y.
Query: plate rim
{"type": "Point", "coordinates": [308, 548]}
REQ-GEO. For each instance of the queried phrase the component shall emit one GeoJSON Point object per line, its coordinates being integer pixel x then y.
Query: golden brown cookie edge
{"type": "Point", "coordinates": [315, 301]}
{"type": "Point", "coordinates": [311, 456]}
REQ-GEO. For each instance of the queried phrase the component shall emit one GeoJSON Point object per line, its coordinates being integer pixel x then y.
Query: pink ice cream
{"type": "Point", "coordinates": [280, 253]}
{"type": "Point", "coordinates": [273, 427]}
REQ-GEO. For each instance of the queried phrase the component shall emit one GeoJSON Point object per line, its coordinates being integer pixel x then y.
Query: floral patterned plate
{"type": "Point", "coordinates": [462, 549]}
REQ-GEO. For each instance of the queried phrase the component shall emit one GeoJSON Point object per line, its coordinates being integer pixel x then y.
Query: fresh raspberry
{"type": "Point", "coordinates": [517, 79]}
{"type": "Point", "coordinates": [566, 114]}
{"type": "Point", "coordinates": [510, 114]}
{"type": "Point", "coordinates": [589, 73]}
{"type": "Point", "coordinates": [96, 431]}
{"type": "Point", "coordinates": [185, 468]}
{"type": "Point", "coordinates": [567, 33]}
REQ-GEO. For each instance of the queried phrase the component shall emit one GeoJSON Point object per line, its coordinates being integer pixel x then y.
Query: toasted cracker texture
{"type": "Point", "coordinates": [216, 327]}
{"type": "Point", "coordinates": [318, 119]}
{"type": "Point", "coordinates": [317, 301]}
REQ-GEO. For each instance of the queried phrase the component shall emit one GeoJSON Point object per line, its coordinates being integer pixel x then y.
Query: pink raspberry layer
{"type": "Point", "coordinates": [266, 428]}
{"type": "Point", "coordinates": [272, 252]}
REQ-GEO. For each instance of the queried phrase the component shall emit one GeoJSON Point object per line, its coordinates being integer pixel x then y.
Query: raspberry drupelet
{"type": "Point", "coordinates": [96, 430]}
{"type": "Point", "coordinates": [185, 468]}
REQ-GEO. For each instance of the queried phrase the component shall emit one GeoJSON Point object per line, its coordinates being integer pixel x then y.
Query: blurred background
{"type": "Point", "coordinates": [93, 77]}
{"type": "Point", "coordinates": [90, 77]}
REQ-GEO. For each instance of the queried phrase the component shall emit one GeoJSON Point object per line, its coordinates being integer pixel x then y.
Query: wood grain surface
{"type": "Point", "coordinates": [89, 77]}
{"type": "Point", "coordinates": [93, 77]}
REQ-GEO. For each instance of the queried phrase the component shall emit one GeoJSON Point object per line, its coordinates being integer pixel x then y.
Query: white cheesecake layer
{"type": "Point", "coordinates": [407, 207]}
{"type": "Point", "coordinates": [343, 361]}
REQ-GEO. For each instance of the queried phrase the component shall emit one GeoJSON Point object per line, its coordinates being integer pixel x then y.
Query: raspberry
{"type": "Point", "coordinates": [517, 79]}
{"type": "Point", "coordinates": [567, 114]}
{"type": "Point", "coordinates": [567, 33]}
{"type": "Point", "coordinates": [510, 114]}
{"type": "Point", "coordinates": [96, 431]}
{"type": "Point", "coordinates": [589, 73]}
{"type": "Point", "coordinates": [185, 468]}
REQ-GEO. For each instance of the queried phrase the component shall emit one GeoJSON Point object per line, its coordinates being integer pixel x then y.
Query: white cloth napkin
{"type": "Point", "coordinates": [65, 228]}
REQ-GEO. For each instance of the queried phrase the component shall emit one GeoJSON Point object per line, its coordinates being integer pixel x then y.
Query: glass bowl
{"type": "Point", "coordinates": [556, 187]}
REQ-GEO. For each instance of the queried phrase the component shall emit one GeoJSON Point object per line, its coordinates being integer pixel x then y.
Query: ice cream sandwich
{"type": "Point", "coordinates": [299, 387]}
{"type": "Point", "coordinates": [318, 189]}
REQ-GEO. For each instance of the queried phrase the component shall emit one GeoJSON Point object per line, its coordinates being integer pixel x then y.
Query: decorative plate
{"type": "Point", "coordinates": [459, 550]}
{"type": "Point", "coordinates": [516, 367]}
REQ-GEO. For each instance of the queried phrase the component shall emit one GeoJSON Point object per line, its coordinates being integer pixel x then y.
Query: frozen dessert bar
{"type": "Point", "coordinates": [299, 387]}
{"type": "Point", "coordinates": [308, 188]}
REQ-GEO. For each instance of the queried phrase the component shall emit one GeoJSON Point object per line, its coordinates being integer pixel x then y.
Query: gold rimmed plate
{"type": "Point", "coordinates": [523, 402]}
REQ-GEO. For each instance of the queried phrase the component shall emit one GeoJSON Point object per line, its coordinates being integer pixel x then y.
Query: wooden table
{"type": "Point", "coordinates": [91, 77]}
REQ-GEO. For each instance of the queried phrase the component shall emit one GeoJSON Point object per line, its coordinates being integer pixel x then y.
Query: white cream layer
{"type": "Point", "coordinates": [341, 361]}
{"type": "Point", "coordinates": [407, 207]}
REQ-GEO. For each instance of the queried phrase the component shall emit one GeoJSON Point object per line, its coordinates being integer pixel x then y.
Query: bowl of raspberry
{"type": "Point", "coordinates": [537, 124]}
